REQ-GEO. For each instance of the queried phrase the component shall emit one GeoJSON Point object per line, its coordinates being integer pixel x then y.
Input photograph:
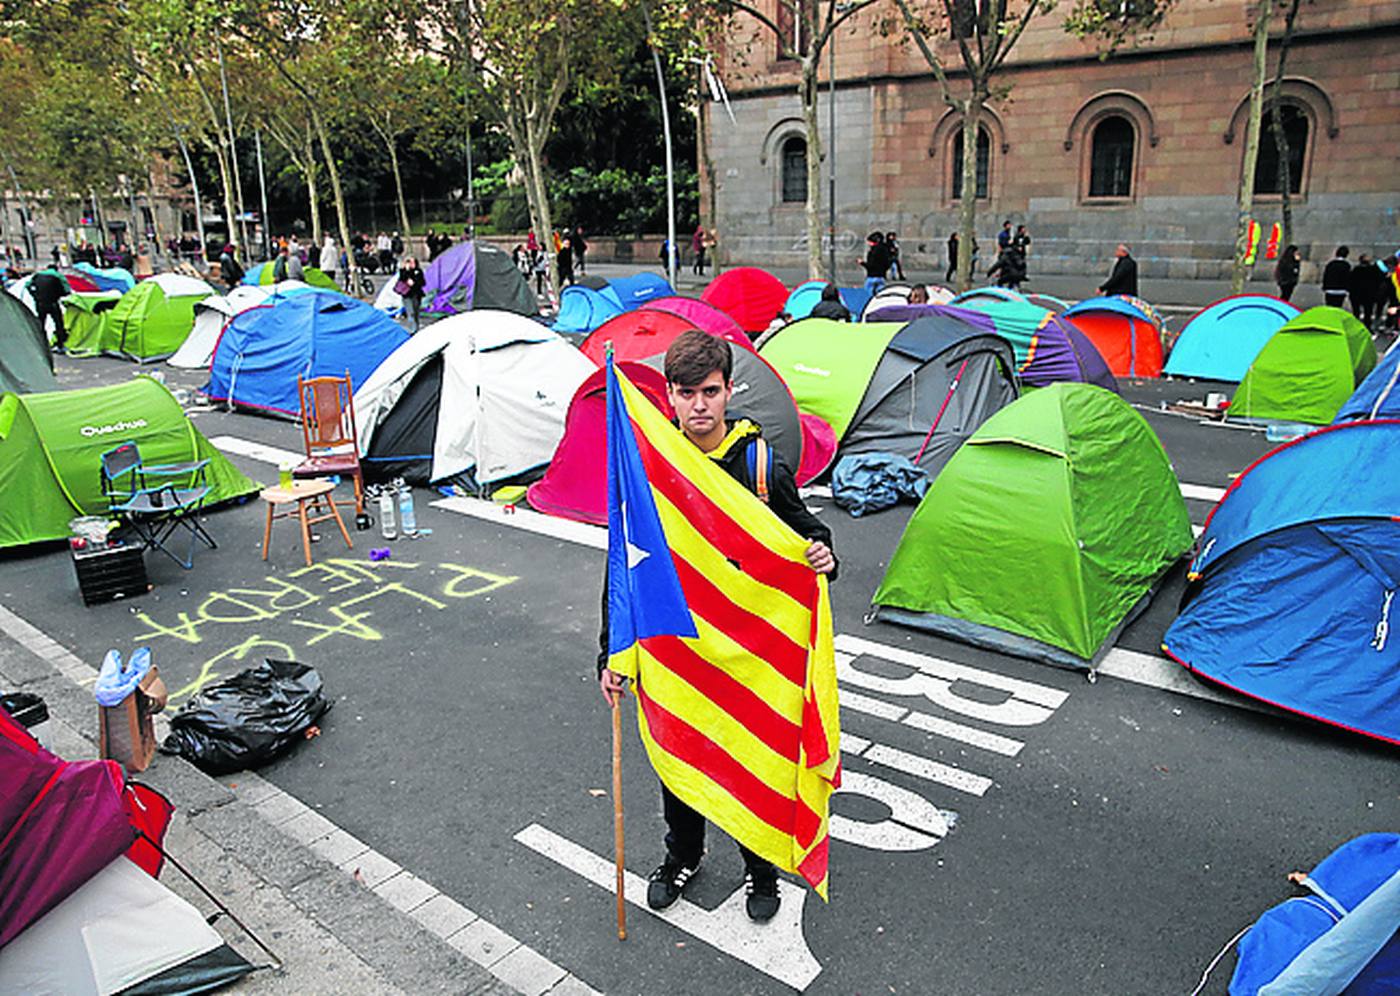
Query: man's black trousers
{"type": "Point", "coordinates": [685, 838]}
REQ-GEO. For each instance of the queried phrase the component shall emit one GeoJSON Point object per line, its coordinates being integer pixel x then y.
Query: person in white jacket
{"type": "Point", "coordinates": [330, 257]}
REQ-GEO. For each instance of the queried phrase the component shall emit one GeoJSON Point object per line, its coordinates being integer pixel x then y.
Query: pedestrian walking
{"type": "Point", "coordinates": [697, 249]}
{"type": "Point", "coordinates": [876, 261]}
{"type": "Point", "coordinates": [952, 258]}
{"type": "Point", "coordinates": [410, 287]}
{"type": "Point", "coordinates": [1286, 272]}
{"type": "Point", "coordinates": [896, 271]}
{"type": "Point", "coordinates": [1365, 287]}
{"type": "Point", "coordinates": [229, 270]}
{"type": "Point", "coordinates": [1336, 277]}
{"type": "Point", "coordinates": [295, 269]}
{"type": "Point", "coordinates": [564, 259]}
{"type": "Point", "coordinates": [580, 251]}
{"type": "Point", "coordinates": [1009, 269]}
{"type": "Point", "coordinates": [1004, 236]}
{"type": "Point", "coordinates": [1123, 279]}
{"type": "Point", "coordinates": [328, 257]}
{"type": "Point", "coordinates": [699, 369]}
{"type": "Point", "coordinates": [541, 266]}
{"type": "Point", "coordinates": [48, 289]}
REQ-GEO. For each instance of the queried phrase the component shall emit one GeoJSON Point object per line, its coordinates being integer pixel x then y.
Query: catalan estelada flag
{"type": "Point", "coordinates": [726, 629]}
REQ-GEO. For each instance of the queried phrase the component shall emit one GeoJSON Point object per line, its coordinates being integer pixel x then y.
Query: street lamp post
{"type": "Point", "coordinates": [831, 152]}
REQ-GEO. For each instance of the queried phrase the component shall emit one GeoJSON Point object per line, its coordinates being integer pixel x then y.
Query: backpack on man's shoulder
{"type": "Point", "coordinates": [758, 457]}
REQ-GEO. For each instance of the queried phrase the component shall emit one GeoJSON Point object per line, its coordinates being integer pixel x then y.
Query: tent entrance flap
{"type": "Point", "coordinates": [403, 443]}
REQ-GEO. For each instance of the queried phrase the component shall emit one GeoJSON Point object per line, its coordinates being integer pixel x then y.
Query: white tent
{"type": "Point", "coordinates": [119, 929]}
{"type": "Point", "coordinates": [180, 285]}
{"type": "Point", "coordinates": [20, 289]}
{"type": "Point", "coordinates": [389, 300]}
{"type": "Point", "coordinates": [484, 392]}
{"type": "Point", "coordinates": [213, 313]}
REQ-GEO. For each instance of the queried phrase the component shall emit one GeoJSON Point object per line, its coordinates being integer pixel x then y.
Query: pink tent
{"type": "Point", "coordinates": [701, 315]}
{"type": "Point", "coordinates": [576, 484]}
{"type": "Point", "coordinates": [818, 447]}
{"type": "Point", "coordinates": [635, 335]}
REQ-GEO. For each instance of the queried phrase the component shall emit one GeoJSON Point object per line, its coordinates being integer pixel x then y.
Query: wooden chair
{"type": "Point", "coordinates": [328, 432]}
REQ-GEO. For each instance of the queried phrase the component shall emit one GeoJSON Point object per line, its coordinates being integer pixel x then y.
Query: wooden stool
{"type": "Point", "coordinates": [311, 491]}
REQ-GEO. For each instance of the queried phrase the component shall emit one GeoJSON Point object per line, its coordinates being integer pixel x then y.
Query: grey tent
{"type": "Point", "coordinates": [761, 395]}
{"type": "Point", "coordinates": [917, 390]}
{"type": "Point", "coordinates": [25, 363]}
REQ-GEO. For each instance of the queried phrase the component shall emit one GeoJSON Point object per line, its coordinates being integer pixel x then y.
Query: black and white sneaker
{"type": "Point", "coordinates": [668, 881]}
{"type": "Point", "coordinates": [763, 900]}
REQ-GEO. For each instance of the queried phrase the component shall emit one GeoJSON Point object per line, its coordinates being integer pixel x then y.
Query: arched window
{"type": "Point", "coordinates": [794, 179]}
{"type": "Point", "coordinates": [1111, 159]}
{"type": "Point", "coordinates": [1295, 131]}
{"type": "Point", "coordinates": [984, 163]}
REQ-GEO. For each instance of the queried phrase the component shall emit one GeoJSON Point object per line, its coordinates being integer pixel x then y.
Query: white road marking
{"type": "Point", "coordinates": [1160, 672]}
{"type": "Point", "coordinates": [914, 823]}
{"type": "Point", "coordinates": [926, 768]}
{"type": "Point", "coordinates": [582, 533]}
{"type": "Point", "coordinates": [1201, 492]}
{"type": "Point", "coordinates": [256, 451]}
{"type": "Point", "coordinates": [994, 742]}
{"type": "Point", "coordinates": [777, 949]}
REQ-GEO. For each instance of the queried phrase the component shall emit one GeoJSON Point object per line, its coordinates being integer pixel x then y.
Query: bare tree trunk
{"type": "Point", "coordinates": [1285, 168]}
{"type": "Point", "coordinates": [313, 195]}
{"type": "Point", "coordinates": [967, 205]}
{"type": "Point", "coordinates": [534, 175]}
{"type": "Point", "coordinates": [1245, 201]}
{"type": "Point", "coordinates": [398, 187]}
{"type": "Point", "coordinates": [342, 219]}
{"type": "Point", "coordinates": [227, 192]}
{"type": "Point", "coordinates": [807, 91]}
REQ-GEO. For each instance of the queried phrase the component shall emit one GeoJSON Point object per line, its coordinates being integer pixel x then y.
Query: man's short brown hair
{"type": "Point", "coordinates": [694, 355]}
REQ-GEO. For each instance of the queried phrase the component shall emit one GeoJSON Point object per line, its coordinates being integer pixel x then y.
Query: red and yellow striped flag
{"type": "Point", "coordinates": [740, 721]}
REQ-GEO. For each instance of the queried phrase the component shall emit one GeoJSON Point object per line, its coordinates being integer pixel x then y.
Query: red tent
{"type": "Point", "coordinates": [635, 335]}
{"type": "Point", "coordinates": [818, 447]}
{"type": "Point", "coordinates": [1126, 331]}
{"type": "Point", "coordinates": [576, 485]}
{"type": "Point", "coordinates": [752, 297]}
{"type": "Point", "coordinates": [703, 316]}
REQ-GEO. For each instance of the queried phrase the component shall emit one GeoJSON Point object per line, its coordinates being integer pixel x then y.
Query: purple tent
{"type": "Point", "coordinates": [475, 275]}
{"type": "Point", "coordinates": [909, 312]}
{"type": "Point", "coordinates": [60, 824]}
{"type": "Point", "coordinates": [1048, 348]}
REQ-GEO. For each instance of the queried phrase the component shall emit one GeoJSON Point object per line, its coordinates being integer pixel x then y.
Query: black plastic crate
{"type": "Point", "coordinates": [105, 573]}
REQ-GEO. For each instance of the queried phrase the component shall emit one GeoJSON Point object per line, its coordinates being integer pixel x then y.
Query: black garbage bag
{"type": "Point", "coordinates": [247, 720]}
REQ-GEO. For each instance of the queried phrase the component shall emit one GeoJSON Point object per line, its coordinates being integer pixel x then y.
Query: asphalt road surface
{"type": "Point", "coordinates": [1006, 827]}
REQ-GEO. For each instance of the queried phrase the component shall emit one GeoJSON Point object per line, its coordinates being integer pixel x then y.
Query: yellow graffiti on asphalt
{"type": "Point", "coordinates": [337, 598]}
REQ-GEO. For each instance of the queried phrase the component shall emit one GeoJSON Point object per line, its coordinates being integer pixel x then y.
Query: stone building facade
{"type": "Point", "coordinates": [1145, 146]}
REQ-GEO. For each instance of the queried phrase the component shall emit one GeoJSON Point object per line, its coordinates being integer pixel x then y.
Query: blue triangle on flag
{"type": "Point", "coordinates": [644, 592]}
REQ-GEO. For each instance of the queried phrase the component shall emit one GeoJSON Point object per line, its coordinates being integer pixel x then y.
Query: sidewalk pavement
{"type": "Point", "coordinates": [342, 918]}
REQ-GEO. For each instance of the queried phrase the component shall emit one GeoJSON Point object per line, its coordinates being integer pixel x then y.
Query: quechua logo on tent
{"type": "Point", "coordinates": [119, 426]}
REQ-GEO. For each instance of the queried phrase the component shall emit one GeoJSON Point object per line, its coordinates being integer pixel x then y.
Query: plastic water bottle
{"type": "Point", "coordinates": [407, 517]}
{"type": "Point", "coordinates": [387, 529]}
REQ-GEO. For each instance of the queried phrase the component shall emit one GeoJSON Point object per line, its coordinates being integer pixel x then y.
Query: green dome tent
{"type": "Point", "coordinates": [1044, 533]}
{"type": "Point", "coordinates": [85, 317]}
{"type": "Point", "coordinates": [828, 364]}
{"type": "Point", "coordinates": [51, 446]}
{"type": "Point", "coordinates": [1307, 369]}
{"type": "Point", "coordinates": [25, 362]}
{"type": "Point", "coordinates": [152, 319]}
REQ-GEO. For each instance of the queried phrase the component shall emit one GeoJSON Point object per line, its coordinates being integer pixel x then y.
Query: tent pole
{"type": "Point", "coordinates": [672, 252]}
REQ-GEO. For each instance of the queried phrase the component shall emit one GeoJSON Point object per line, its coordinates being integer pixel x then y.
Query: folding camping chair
{"type": "Point", "coordinates": [328, 432]}
{"type": "Point", "coordinates": [156, 500]}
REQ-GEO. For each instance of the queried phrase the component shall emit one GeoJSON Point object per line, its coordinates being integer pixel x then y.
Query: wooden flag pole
{"type": "Point", "coordinates": [617, 816]}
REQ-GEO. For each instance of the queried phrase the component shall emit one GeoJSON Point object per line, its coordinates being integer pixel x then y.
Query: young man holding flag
{"type": "Point", "coordinates": [698, 368]}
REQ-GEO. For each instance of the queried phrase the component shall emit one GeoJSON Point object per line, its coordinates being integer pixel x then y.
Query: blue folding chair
{"type": "Point", "coordinates": [156, 500]}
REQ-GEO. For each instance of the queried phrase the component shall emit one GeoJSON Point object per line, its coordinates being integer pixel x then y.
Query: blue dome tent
{"type": "Point", "coordinates": [314, 334]}
{"type": "Point", "coordinates": [1220, 341]}
{"type": "Point", "coordinates": [1343, 938]}
{"type": "Point", "coordinates": [804, 298]}
{"type": "Point", "coordinates": [586, 305]}
{"type": "Point", "coordinates": [1377, 396]}
{"type": "Point", "coordinates": [1289, 597]}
